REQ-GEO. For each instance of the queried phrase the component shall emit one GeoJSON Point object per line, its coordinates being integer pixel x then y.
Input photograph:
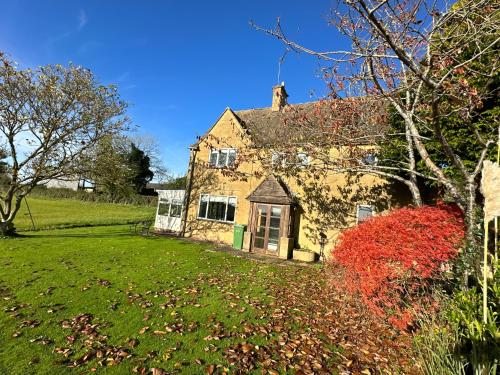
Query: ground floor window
{"type": "Point", "coordinates": [364, 212]}
{"type": "Point", "coordinates": [217, 207]}
{"type": "Point", "coordinates": [170, 207]}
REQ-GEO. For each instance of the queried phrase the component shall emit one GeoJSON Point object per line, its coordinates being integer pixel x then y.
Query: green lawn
{"type": "Point", "coordinates": [57, 213]}
{"type": "Point", "coordinates": [103, 299]}
{"type": "Point", "coordinates": [127, 283]}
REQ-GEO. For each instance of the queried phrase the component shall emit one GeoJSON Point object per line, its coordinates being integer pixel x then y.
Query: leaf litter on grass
{"type": "Point", "coordinates": [267, 319]}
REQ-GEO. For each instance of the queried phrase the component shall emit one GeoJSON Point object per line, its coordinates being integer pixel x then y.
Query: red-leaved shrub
{"type": "Point", "coordinates": [391, 260]}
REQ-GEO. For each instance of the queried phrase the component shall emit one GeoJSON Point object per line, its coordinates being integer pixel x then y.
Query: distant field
{"type": "Point", "coordinates": [59, 213]}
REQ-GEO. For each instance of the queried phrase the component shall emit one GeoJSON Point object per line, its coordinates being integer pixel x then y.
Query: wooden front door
{"type": "Point", "coordinates": [267, 228]}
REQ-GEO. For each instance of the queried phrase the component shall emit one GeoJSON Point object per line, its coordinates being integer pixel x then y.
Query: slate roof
{"type": "Point", "coordinates": [266, 127]}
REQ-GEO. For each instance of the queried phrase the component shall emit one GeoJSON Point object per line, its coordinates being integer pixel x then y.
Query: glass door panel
{"type": "Point", "coordinates": [274, 229]}
{"type": "Point", "coordinates": [261, 226]}
{"type": "Point", "coordinates": [267, 228]}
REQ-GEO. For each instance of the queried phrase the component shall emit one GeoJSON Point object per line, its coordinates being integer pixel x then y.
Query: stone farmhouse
{"type": "Point", "coordinates": [277, 215]}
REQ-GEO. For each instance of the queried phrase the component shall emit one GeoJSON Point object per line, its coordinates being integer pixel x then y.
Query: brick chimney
{"type": "Point", "coordinates": [279, 97]}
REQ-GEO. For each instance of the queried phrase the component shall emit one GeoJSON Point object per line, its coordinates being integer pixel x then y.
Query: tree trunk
{"type": "Point", "coordinates": [415, 191]}
{"type": "Point", "coordinates": [470, 214]}
{"type": "Point", "coordinates": [8, 214]}
{"type": "Point", "coordinates": [412, 166]}
{"type": "Point", "coordinates": [7, 228]}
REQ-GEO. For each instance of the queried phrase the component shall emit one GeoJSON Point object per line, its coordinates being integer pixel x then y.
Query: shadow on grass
{"type": "Point", "coordinates": [101, 234]}
{"type": "Point", "coordinates": [63, 233]}
{"type": "Point", "coordinates": [83, 235]}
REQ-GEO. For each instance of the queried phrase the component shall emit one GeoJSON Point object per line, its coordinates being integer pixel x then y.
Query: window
{"type": "Point", "coordinates": [225, 157]}
{"type": "Point", "coordinates": [175, 208]}
{"type": "Point", "coordinates": [217, 207]}
{"type": "Point", "coordinates": [214, 155]}
{"type": "Point", "coordinates": [163, 208]}
{"type": "Point", "coordinates": [303, 159]}
{"type": "Point", "coordinates": [363, 213]}
{"type": "Point", "coordinates": [369, 159]}
{"type": "Point", "coordinates": [280, 159]}
{"type": "Point", "coordinates": [172, 208]}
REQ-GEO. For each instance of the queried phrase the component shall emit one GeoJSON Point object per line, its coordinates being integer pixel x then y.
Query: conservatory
{"type": "Point", "coordinates": [169, 212]}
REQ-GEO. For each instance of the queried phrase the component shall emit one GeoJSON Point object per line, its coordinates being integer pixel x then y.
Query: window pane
{"type": "Point", "coordinates": [175, 210]}
{"type": "Point", "coordinates": [203, 206]}
{"type": "Point", "coordinates": [272, 246]}
{"type": "Point", "coordinates": [369, 159]}
{"type": "Point", "coordinates": [213, 158]}
{"type": "Point", "coordinates": [218, 198]}
{"type": "Point", "coordinates": [262, 217]}
{"type": "Point", "coordinates": [222, 159]}
{"type": "Point", "coordinates": [275, 158]}
{"type": "Point", "coordinates": [231, 209]}
{"type": "Point", "coordinates": [261, 232]}
{"type": "Point", "coordinates": [278, 159]}
{"type": "Point", "coordinates": [163, 209]}
{"type": "Point", "coordinates": [276, 211]}
{"type": "Point", "coordinates": [364, 213]}
{"type": "Point", "coordinates": [216, 210]}
{"type": "Point", "coordinates": [274, 235]}
{"type": "Point", "coordinates": [303, 159]}
{"type": "Point", "coordinates": [231, 158]}
{"type": "Point", "coordinates": [259, 243]}
{"type": "Point", "coordinates": [275, 222]}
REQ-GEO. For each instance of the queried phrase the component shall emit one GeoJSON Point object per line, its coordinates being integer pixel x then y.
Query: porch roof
{"type": "Point", "coordinates": [271, 190]}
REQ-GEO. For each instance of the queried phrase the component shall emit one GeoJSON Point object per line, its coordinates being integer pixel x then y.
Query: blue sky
{"type": "Point", "coordinates": [178, 63]}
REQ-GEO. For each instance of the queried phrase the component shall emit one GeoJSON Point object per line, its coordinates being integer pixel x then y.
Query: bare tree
{"type": "Point", "coordinates": [421, 58]}
{"type": "Point", "coordinates": [150, 146]}
{"type": "Point", "coordinates": [49, 117]}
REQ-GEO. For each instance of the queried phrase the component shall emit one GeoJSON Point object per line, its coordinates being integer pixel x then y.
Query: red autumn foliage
{"type": "Point", "coordinates": [391, 260]}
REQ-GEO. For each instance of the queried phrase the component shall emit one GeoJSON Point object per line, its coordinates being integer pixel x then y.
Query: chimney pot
{"type": "Point", "coordinates": [279, 97]}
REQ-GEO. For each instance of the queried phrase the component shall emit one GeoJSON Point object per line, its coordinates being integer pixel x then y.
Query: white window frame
{"type": "Point", "coordinates": [169, 202]}
{"type": "Point", "coordinates": [219, 151]}
{"type": "Point", "coordinates": [358, 206]}
{"type": "Point", "coordinates": [303, 163]}
{"type": "Point", "coordinates": [225, 213]}
{"type": "Point", "coordinates": [279, 159]}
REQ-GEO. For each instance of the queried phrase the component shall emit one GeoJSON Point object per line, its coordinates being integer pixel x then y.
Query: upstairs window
{"type": "Point", "coordinates": [217, 208]}
{"type": "Point", "coordinates": [225, 157]}
{"type": "Point", "coordinates": [302, 159]}
{"type": "Point", "coordinates": [369, 159]}
{"type": "Point", "coordinates": [364, 212]}
{"type": "Point", "coordinates": [280, 159]}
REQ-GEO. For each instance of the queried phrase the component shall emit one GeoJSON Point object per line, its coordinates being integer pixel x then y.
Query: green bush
{"type": "Point", "coordinates": [58, 193]}
{"type": "Point", "coordinates": [457, 341]}
{"type": "Point", "coordinates": [479, 341]}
